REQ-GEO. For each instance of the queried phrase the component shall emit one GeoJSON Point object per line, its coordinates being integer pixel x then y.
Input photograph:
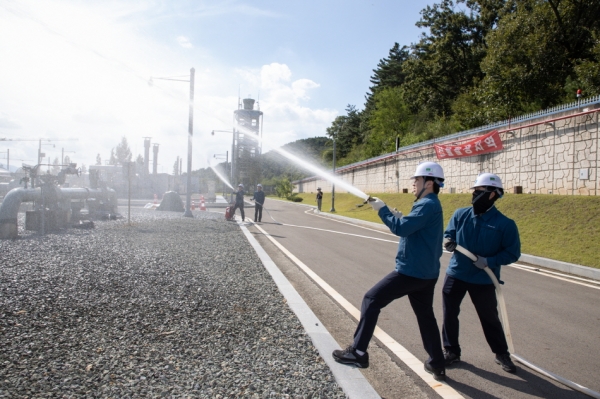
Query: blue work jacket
{"type": "Point", "coordinates": [491, 235]}
{"type": "Point", "coordinates": [420, 235]}
{"type": "Point", "coordinates": [259, 197]}
{"type": "Point", "coordinates": [239, 198]}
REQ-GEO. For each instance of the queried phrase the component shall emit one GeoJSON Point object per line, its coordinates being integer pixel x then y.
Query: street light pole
{"type": "Point", "coordinates": [333, 184]}
{"type": "Point", "coordinates": [188, 198]}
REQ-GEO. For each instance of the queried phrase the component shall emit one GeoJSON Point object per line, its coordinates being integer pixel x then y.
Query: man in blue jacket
{"type": "Point", "coordinates": [239, 202]}
{"type": "Point", "coordinates": [494, 238]}
{"type": "Point", "coordinates": [417, 271]}
{"type": "Point", "coordinates": [259, 198]}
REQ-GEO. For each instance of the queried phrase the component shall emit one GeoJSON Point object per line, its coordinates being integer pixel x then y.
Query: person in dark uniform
{"type": "Point", "coordinates": [417, 271]}
{"type": "Point", "coordinates": [259, 198]}
{"type": "Point", "coordinates": [319, 198]}
{"type": "Point", "coordinates": [485, 231]}
{"type": "Point", "coordinates": [239, 202]}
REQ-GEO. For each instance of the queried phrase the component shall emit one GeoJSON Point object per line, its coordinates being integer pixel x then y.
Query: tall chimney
{"type": "Point", "coordinates": [155, 160]}
{"type": "Point", "coordinates": [146, 155]}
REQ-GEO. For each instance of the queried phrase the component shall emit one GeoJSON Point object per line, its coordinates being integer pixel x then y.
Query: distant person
{"type": "Point", "coordinates": [319, 198]}
{"type": "Point", "coordinates": [485, 231]}
{"type": "Point", "coordinates": [259, 198]}
{"type": "Point", "coordinates": [239, 202]}
{"type": "Point", "coordinates": [417, 271]}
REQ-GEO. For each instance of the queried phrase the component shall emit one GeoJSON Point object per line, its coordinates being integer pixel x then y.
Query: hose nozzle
{"type": "Point", "coordinates": [369, 199]}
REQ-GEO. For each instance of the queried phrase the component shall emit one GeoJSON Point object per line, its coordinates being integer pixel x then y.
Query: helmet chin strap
{"type": "Point", "coordinates": [423, 189]}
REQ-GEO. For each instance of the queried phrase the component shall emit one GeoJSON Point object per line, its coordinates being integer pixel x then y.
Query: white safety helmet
{"type": "Point", "coordinates": [488, 179]}
{"type": "Point", "coordinates": [430, 169]}
{"type": "Point", "coordinates": [491, 181]}
{"type": "Point", "coordinates": [259, 185]}
{"type": "Point", "coordinates": [241, 185]}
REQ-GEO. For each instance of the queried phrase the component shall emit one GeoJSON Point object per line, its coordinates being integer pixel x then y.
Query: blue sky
{"type": "Point", "coordinates": [80, 70]}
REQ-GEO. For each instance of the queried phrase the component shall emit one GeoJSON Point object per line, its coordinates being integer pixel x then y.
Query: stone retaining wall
{"type": "Point", "coordinates": [557, 154]}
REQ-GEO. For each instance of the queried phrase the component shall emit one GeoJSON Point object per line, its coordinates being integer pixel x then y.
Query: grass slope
{"type": "Point", "coordinates": [564, 228]}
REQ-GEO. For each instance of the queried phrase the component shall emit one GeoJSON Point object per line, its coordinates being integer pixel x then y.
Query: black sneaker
{"type": "Point", "coordinates": [349, 356]}
{"type": "Point", "coordinates": [506, 363]}
{"type": "Point", "coordinates": [451, 357]}
{"type": "Point", "coordinates": [438, 374]}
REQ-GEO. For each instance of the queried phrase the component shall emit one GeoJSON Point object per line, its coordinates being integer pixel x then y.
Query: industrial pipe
{"type": "Point", "coordinates": [9, 209]}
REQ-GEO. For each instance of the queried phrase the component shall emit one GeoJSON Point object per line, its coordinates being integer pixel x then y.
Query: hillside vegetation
{"type": "Point", "coordinates": [565, 228]}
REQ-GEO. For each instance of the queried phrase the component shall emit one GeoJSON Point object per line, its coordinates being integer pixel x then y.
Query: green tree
{"type": "Point", "coordinates": [98, 160]}
{"type": "Point", "coordinates": [446, 61]}
{"type": "Point", "coordinates": [390, 118]}
{"type": "Point", "coordinates": [533, 53]}
{"type": "Point", "coordinates": [122, 152]}
{"type": "Point", "coordinates": [588, 74]}
{"type": "Point", "coordinates": [66, 160]}
{"type": "Point", "coordinates": [283, 187]}
{"type": "Point", "coordinates": [113, 159]}
{"type": "Point", "coordinates": [347, 131]}
{"type": "Point", "coordinates": [389, 72]}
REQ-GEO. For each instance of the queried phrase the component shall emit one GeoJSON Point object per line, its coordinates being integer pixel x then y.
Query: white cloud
{"type": "Point", "coordinates": [79, 71]}
{"type": "Point", "coordinates": [7, 123]}
{"type": "Point", "coordinates": [184, 42]}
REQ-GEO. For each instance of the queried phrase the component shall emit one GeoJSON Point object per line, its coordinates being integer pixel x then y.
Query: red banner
{"type": "Point", "coordinates": [480, 145]}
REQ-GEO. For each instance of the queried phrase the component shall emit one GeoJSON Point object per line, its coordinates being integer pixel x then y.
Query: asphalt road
{"type": "Point", "coordinates": [554, 323]}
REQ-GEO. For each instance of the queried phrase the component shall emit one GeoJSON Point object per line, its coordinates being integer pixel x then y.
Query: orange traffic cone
{"type": "Point", "coordinates": [202, 206]}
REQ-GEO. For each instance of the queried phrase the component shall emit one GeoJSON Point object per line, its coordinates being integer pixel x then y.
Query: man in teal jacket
{"type": "Point", "coordinates": [417, 271]}
{"type": "Point", "coordinates": [494, 238]}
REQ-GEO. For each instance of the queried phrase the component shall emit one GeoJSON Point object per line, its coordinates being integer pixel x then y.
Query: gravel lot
{"type": "Point", "coordinates": [167, 307]}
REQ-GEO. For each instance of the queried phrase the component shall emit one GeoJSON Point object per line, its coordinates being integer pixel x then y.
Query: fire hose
{"type": "Point", "coordinates": [263, 207]}
{"type": "Point", "coordinates": [504, 317]}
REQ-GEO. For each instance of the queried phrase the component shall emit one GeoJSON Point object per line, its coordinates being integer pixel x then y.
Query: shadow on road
{"type": "Point", "coordinates": [527, 383]}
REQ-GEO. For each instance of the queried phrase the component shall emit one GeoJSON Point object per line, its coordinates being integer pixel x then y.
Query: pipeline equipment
{"type": "Point", "coordinates": [55, 207]}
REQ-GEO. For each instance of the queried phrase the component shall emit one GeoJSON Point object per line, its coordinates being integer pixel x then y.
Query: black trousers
{"type": "Point", "coordinates": [483, 297]}
{"type": "Point", "coordinates": [241, 208]}
{"type": "Point", "coordinates": [257, 212]}
{"type": "Point", "coordinates": [420, 295]}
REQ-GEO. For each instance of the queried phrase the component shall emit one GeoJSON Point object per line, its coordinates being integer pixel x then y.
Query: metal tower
{"type": "Point", "coordinates": [247, 149]}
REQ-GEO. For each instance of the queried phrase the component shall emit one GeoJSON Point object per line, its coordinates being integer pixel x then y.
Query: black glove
{"type": "Point", "coordinates": [450, 245]}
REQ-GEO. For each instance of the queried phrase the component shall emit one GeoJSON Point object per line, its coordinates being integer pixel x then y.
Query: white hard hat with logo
{"type": "Point", "coordinates": [429, 169]}
{"type": "Point", "coordinates": [241, 185]}
{"type": "Point", "coordinates": [488, 179]}
{"type": "Point", "coordinates": [259, 185]}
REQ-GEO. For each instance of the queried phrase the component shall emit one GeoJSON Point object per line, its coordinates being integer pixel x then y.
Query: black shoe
{"type": "Point", "coordinates": [450, 357]}
{"type": "Point", "coordinates": [506, 363]}
{"type": "Point", "coordinates": [349, 356]}
{"type": "Point", "coordinates": [438, 374]}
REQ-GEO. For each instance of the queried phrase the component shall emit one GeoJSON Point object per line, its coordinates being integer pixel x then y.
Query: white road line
{"type": "Point", "coordinates": [338, 232]}
{"type": "Point", "coordinates": [311, 213]}
{"type": "Point", "coordinates": [441, 388]}
{"type": "Point", "coordinates": [558, 276]}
